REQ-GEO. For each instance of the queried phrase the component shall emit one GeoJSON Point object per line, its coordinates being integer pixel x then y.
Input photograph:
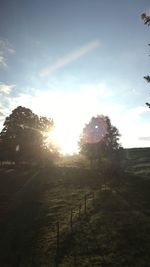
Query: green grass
{"type": "Point", "coordinates": [138, 161]}
{"type": "Point", "coordinates": [28, 234]}
{"type": "Point", "coordinates": [114, 232]}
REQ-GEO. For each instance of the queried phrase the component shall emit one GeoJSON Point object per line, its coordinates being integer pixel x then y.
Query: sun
{"type": "Point", "coordinates": [64, 139]}
{"type": "Point", "coordinates": [70, 111]}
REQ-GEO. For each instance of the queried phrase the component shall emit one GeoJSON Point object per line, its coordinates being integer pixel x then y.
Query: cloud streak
{"type": "Point", "coordinates": [6, 88]}
{"type": "Point", "coordinates": [144, 138]}
{"type": "Point", "coordinates": [67, 59]}
{"type": "Point", "coordinates": [5, 49]}
{"type": "Point", "coordinates": [1, 114]}
{"type": "Point", "coordinates": [3, 61]}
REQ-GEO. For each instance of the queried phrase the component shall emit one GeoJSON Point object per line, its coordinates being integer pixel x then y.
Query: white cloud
{"type": "Point", "coordinates": [6, 88]}
{"type": "Point", "coordinates": [145, 138]}
{"type": "Point", "coordinates": [5, 46]}
{"type": "Point", "coordinates": [136, 112]}
{"type": "Point", "coordinates": [5, 49]}
{"type": "Point", "coordinates": [132, 126]}
{"type": "Point", "coordinates": [25, 100]}
{"type": "Point", "coordinates": [67, 59]}
{"type": "Point", "coordinates": [1, 114]}
{"type": "Point", "coordinates": [3, 61]}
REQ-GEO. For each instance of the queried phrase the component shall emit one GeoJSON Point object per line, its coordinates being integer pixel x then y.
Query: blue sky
{"type": "Point", "coordinates": [71, 60]}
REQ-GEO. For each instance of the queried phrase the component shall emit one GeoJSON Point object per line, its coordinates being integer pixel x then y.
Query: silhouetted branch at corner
{"type": "Point", "coordinates": [145, 18]}
{"type": "Point", "coordinates": [147, 78]}
{"type": "Point", "coordinates": [147, 104]}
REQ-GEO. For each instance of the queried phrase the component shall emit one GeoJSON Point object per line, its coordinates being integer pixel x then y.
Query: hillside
{"type": "Point", "coordinates": [138, 161]}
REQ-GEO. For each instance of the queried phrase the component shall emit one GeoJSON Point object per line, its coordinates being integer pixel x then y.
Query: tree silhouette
{"type": "Point", "coordinates": [23, 135]}
{"type": "Point", "coordinates": [100, 140]}
{"type": "Point", "coordinates": [146, 20]}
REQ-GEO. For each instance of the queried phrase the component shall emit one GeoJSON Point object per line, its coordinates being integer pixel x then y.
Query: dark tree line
{"type": "Point", "coordinates": [23, 139]}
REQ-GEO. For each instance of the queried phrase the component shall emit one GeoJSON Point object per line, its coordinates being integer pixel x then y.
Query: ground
{"type": "Point", "coordinates": [112, 230]}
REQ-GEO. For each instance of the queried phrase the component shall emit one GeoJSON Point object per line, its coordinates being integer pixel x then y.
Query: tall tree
{"type": "Point", "coordinates": [23, 135]}
{"type": "Point", "coordinates": [100, 140]}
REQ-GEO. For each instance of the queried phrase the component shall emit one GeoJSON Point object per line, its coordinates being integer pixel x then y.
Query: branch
{"type": "Point", "coordinates": [147, 78]}
{"type": "Point", "coordinates": [148, 104]}
{"type": "Point", "coordinates": [145, 18]}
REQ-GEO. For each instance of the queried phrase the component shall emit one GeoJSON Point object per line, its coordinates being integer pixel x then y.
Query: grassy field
{"type": "Point", "coordinates": [114, 231]}
{"type": "Point", "coordinates": [34, 204]}
{"type": "Point", "coordinates": [138, 161]}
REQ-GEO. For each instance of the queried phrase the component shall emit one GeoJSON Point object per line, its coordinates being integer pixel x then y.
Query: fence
{"type": "Point", "coordinates": [75, 217]}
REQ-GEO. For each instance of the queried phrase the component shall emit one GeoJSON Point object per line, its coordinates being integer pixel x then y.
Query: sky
{"type": "Point", "coordinates": [71, 60]}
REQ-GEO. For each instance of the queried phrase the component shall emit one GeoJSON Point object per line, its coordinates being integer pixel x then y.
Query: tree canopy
{"type": "Point", "coordinates": [99, 140]}
{"type": "Point", "coordinates": [23, 135]}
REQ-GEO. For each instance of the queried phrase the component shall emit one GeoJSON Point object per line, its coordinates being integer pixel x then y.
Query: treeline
{"type": "Point", "coordinates": [24, 138]}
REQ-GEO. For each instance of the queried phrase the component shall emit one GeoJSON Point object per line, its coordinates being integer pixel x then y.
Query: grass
{"type": "Point", "coordinates": [138, 161]}
{"type": "Point", "coordinates": [28, 232]}
{"type": "Point", "coordinates": [114, 232]}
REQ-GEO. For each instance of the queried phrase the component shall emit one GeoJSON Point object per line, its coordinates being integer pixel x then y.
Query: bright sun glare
{"type": "Point", "coordinates": [64, 141]}
{"type": "Point", "coordinates": [69, 117]}
{"type": "Point", "coordinates": [70, 111]}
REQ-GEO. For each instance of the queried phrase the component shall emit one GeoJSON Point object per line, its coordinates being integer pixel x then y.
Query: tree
{"type": "Point", "coordinates": [23, 135]}
{"type": "Point", "coordinates": [146, 20]}
{"type": "Point", "coordinates": [99, 141]}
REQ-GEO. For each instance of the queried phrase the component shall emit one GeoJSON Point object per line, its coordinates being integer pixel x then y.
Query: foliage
{"type": "Point", "coordinates": [23, 135]}
{"type": "Point", "coordinates": [146, 20]}
{"type": "Point", "coordinates": [107, 149]}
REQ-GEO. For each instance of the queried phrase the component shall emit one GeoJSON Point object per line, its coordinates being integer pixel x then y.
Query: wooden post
{"type": "Point", "coordinates": [85, 199]}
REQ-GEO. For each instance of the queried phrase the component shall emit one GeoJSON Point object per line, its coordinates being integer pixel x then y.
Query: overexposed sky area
{"type": "Point", "coordinates": [71, 60]}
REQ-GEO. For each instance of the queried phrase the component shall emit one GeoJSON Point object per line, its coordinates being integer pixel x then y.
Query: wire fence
{"type": "Point", "coordinates": [63, 238]}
